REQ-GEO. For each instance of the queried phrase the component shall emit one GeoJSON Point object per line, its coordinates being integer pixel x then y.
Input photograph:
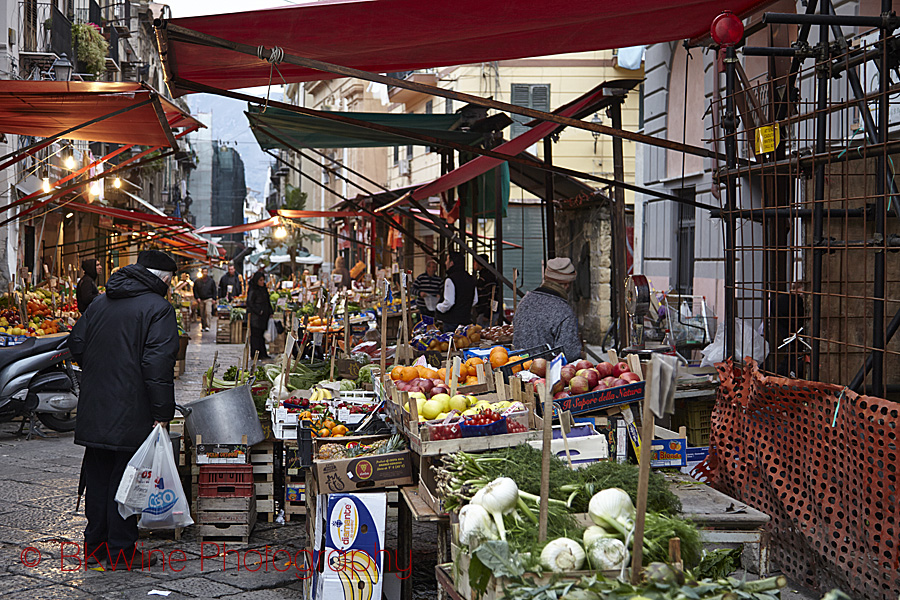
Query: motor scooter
{"type": "Point", "coordinates": [39, 382]}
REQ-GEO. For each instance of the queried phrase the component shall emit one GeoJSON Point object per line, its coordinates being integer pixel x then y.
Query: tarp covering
{"type": "Point", "coordinates": [822, 462]}
{"type": "Point", "coordinates": [227, 229]}
{"type": "Point", "coordinates": [302, 131]}
{"type": "Point", "coordinates": [46, 108]}
{"type": "Point", "coordinates": [386, 36]}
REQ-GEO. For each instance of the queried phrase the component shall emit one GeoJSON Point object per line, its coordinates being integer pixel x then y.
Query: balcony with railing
{"type": "Point", "coordinates": [43, 35]}
{"type": "Point", "coordinates": [404, 96]}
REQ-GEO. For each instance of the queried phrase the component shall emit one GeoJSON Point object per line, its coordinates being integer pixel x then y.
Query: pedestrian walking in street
{"type": "Point", "coordinates": [259, 308]}
{"type": "Point", "coordinates": [205, 293]}
{"type": "Point", "coordinates": [460, 295]}
{"type": "Point", "coordinates": [544, 315]}
{"type": "Point", "coordinates": [427, 289]}
{"type": "Point", "coordinates": [230, 284]}
{"type": "Point", "coordinates": [126, 344]}
{"type": "Point", "coordinates": [86, 290]}
{"type": "Point", "coordinates": [340, 274]}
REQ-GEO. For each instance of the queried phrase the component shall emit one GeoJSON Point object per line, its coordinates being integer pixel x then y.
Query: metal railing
{"type": "Point", "coordinates": [43, 28]}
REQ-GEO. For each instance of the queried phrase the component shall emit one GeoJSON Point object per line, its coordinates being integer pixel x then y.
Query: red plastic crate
{"type": "Point", "coordinates": [225, 481]}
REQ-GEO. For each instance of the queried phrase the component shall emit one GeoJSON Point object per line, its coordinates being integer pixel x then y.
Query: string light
{"type": "Point", "coordinates": [96, 188]}
{"type": "Point", "coordinates": [117, 183]}
{"type": "Point", "coordinates": [70, 215]}
{"type": "Point", "coordinates": [46, 185]}
{"type": "Point", "coordinates": [280, 233]}
{"type": "Point", "coordinates": [70, 161]}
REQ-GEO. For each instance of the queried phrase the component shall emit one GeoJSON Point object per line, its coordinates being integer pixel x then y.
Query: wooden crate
{"type": "Point", "coordinates": [179, 368]}
{"type": "Point", "coordinates": [294, 506]}
{"type": "Point", "coordinates": [262, 457]}
{"type": "Point", "coordinates": [226, 519]}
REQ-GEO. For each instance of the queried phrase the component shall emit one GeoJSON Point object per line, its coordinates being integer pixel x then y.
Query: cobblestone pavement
{"type": "Point", "coordinates": [41, 532]}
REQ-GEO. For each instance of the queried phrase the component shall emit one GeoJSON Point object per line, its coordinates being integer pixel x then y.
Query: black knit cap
{"type": "Point", "coordinates": [160, 261]}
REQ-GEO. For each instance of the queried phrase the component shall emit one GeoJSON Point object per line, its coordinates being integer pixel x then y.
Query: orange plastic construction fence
{"type": "Point", "coordinates": [822, 461]}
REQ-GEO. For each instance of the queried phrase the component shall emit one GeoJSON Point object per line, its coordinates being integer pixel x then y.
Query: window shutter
{"type": "Point", "coordinates": [528, 95]}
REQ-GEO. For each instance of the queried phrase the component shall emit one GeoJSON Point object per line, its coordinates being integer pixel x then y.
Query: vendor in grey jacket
{"type": "Point", "coordinates": [544, 315]}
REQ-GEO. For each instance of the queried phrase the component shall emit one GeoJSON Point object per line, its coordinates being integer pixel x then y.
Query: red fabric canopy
{"type": "Point", "coordinates": [385, 36]}
{"type": "Point", "coordinates": [46, 108]}
{"type": "Point", "coordinates": [226, 229]}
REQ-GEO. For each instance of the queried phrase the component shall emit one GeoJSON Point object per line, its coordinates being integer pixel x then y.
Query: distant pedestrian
{"type": "Point", "coordinates": [126, 343]}
{"type": "Point", "coordinates": [460, 295]}
{"type": "Point", "coordinates": [340, 274]}
{"type": "Point", "coordinates": [259, 309]}
{"type": "Point", "coordinates": [205, 293]}
{"type": "Point", "coordinates": [427, 289]}
{"type": "Point", "coordinates": [86, 290]}
{"type": "Point", "coordinates": [486, 284]}
{"type": "Point", "coordinates": [230, 284]}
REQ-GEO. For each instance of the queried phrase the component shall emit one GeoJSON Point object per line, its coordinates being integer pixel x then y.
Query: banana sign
{"type": "Point", "coordinates": [354, 543]}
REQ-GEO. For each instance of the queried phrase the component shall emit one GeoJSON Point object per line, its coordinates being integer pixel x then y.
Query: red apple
{"type": "Point", "coordinates": [557, 387]}
{"type": "Point", "coordinates": [591, 375]}
{"type": "Point", "coordinates": [605, 369]}
{"type": "Point", "coordinates": [619, 382]}
{"type": "Point", "coordinates": [561, 395]}
{"type": "Point", "coordinates": [598, 388]}
{"type": "Point", "coordinates": [583, 364]}
{"type": "Point", "coordinates": [567, 373]}
{"type": "Point", "coordinates": [578, 385]}
{"type": "Point", "coordinates": [539, 367]}
{"type": "Point", "coordinates": [608, 381]}
{"type": "Point", "coordinates": [620, 368]}
{"type": "Point", "coordinates": [631, 377]}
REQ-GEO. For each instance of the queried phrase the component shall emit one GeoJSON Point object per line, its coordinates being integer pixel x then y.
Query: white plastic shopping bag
{"type": "Point", "coordinates": [155, 493]}
{"type": "Point", "coordinates": [271, 331]}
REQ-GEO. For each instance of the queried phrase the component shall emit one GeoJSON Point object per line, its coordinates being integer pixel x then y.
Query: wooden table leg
{"type": "Point", "coordinates": [443, 553]}
{"type": "Point", "coordinates": [404, 546]}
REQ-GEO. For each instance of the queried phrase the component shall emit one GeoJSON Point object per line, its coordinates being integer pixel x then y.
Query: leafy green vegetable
{"type": "Point", "coordinates": [365, 374]}
{"type": "Point", "coordinates": [716, 564]}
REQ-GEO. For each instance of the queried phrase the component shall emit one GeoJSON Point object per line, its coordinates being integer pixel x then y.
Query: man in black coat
{"type": "Point", "coordinates": [460, 294]}
{"type": "Point", "coordinates": [126, 344]}
{"type": "Point", "coordinates": [205, 293]}
{"type": "Point", "coordinates": [86, 290]}
{"type": "Point", "coordinates": [230, 279]}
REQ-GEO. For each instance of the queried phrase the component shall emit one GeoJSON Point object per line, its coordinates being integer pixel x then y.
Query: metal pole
{"type": "Point", "coordinates": [729, 124]}
{"type": "Point", "coordinates": [619, 238]}
{"type": "Point", "coordinates": [878, 312]}
{"type": "Point", "coordinates": [498, 234]}
{"type": "Point", "coordinates": [549, 193]}
{"type": "Point", "coordinates": [822, 78]}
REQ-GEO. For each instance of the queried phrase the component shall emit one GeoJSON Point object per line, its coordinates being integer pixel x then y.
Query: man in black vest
{"type": "Point", "coordinates": [460, 295]}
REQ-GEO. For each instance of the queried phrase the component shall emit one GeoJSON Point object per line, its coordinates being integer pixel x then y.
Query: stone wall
{"type": "Point", "coordinates": [585, 236]}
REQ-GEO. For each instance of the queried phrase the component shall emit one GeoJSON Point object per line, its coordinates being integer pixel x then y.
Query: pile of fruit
{"type": "Point", "coordinates": [354, 449]}
{"type": "Point", "coordinates": [427, 380]}
{"type": "Point", "coordinates": [323, 424]}
{"type": "Point", "coordinates": [583, 377]}
{"type": "Point", "coordinates": [498, 333]}
{"type": "Point", "coordinates": [488, 421]}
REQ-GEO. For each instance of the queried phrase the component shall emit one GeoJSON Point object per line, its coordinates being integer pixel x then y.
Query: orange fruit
{"type": "Point", "coordinates": [474, 361]}
{"type": "Point", "coordinates": [324, 432]}
{"type": "Point", "coordinates": [408, 373]}
{"type": "Point", "coordinates": [442, 374]}
{"type": "Point", "coordinates": [329, 424]}
{"type": "Point", "coordinates": [339, 431]}
{"type": "Point", "coordinates": [397, 373]}
{"type": "Point", "coordinates": [463, 371]}
{"type": "Point", "coordinates": [430, 373]}
{"type": "Point", "coordinates": [471, 380]}
{"type": "Point", "coordinates": [305, 415]}
{"type": "Point", "coordinates": [513, 359]}
{"type": "Point", "coordinates": [499, 357]}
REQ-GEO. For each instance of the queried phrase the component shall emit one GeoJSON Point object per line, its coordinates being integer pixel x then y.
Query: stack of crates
{"type": "Point", "coordinates": [226, 503]}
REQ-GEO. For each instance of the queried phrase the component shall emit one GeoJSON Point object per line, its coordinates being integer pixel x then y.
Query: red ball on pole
{"type": "Point", "coordinates": [727, 29]}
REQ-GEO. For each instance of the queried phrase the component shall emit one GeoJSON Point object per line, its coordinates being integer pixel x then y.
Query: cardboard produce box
{"type": "Point", "coordinates": [361, 473]}
{"type": "Point", "coordinates": [349, 546]}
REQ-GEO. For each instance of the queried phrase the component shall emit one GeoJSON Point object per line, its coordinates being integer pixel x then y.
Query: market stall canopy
{"type": "Point", "coordinates": [302, 131]}
{"type": "Point", "coordinates": [227, 229]}
{"type": "Point", "coordinates": [46, 108]}
{"type": "Point", "coordinates": [387, 36]}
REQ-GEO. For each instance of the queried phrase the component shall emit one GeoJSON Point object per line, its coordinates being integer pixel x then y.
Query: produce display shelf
{"type": "Point", "coordinates": [477, 444]}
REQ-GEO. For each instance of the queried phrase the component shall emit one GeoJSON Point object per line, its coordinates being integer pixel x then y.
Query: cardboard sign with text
{"type": "Point", "coordinates": [603, 399]}
{"type": "Point", "coordinates": [668, 453]}
{"type": "Point", "coordinates": [364, 473]}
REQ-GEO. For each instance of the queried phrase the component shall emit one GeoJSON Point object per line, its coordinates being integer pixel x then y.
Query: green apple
{"type": "Point", "coordinates": [459, 402]}
{"type": "Point", "coordinates": [472, 400]}
{"type": "Point", "coordinates": [470, 412]}
{"type": "Point", "coordinates": [441, 416]}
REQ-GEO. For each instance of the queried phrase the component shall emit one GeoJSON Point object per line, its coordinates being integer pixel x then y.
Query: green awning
{"type": "Point", "coordinates": [302, 131]}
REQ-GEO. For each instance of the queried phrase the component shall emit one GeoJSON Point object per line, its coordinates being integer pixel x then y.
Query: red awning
{"type": "Point", "coordinates": [46, 108]}
{"type": "Point", "coordinates": [226, 229]}
{"type": "Point", "coordinates": [386, 36]}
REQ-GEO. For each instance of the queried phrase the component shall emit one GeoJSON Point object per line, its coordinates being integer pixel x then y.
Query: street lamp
{"type": "Point", "coordinates": [62, 68]}
{"type": "Point", "coordinates": [596, 120]}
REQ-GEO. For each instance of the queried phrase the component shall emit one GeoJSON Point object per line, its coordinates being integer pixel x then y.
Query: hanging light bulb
{"type": "Point", "coordinates": [96, 188]}
{"type": "Point", "coordinates": [280, 232]}
{"type": "Point", "coordinates": [117, 183]}
{"type": "Point", "coordinates": [46, 185]}
{"type": "Point", "coordinates": [70, 161]}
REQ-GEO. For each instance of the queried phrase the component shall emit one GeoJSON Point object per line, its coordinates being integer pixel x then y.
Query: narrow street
{"type": "Point", "coordinates": [41, 533]}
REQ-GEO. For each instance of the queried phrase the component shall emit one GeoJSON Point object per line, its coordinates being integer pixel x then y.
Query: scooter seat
{"type": "Point", "coordinates": [29, 347]}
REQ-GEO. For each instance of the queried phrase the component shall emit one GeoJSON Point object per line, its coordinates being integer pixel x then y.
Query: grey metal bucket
{"type": "Point", "coordinates": [223, 418]}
